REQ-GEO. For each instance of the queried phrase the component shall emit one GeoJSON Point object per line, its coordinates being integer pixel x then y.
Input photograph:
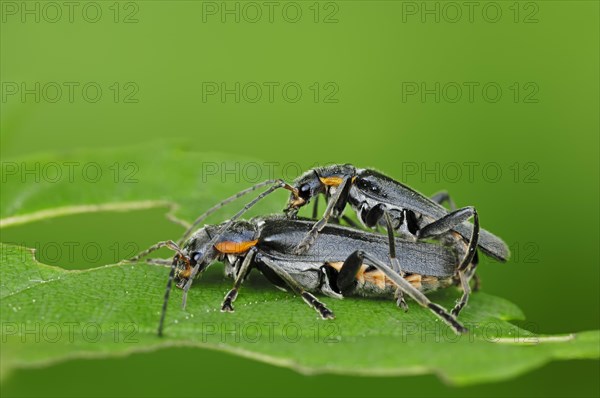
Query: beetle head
{"type": "Point", "coordinates": [306, 186]}
{"type": "Point", "coordinates": [196, 249]}
{"type": "Point", "coordinates": [314, 182]}
{"type": "Point", "coordinates": [209, 245]}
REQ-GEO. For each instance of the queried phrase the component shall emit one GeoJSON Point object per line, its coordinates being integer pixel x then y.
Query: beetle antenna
{"type": "Point", "coordinates": [180, 254]}
{"type": "Point", "coordinates": [221, 204]}
{"type": "Point", "coordinates": [168, 243]}
{"type": "Point", "coordinates": [278, 184]}
{"type": "Point", "coordinates": [163, 312]}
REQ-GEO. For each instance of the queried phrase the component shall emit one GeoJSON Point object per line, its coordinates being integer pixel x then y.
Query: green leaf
{"type": "Point", "coordinates": [49, 314]}
{"type": "Point", "coordinates": [130, 178]}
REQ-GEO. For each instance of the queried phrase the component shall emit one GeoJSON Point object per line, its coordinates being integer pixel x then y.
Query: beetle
{"type": "Point", "coordinates": [372, 194]}
{"type": "Point", "coordinates": [376, 197]}
{"type": "Point", "coordinates": [342, 262]}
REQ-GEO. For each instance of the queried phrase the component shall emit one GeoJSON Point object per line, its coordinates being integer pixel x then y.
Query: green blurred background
{"type": "Point", "coordinates": [442, 95]}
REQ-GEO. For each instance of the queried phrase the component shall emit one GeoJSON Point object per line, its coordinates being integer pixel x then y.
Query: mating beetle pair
{"type": "Point", "coordinates": [313, 257]}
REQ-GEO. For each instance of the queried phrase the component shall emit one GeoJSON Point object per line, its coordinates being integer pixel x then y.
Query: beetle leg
{"type": "Point", "coordinates": [471, 273]}
{"type": "Point", "coordinates": [180, 254]}
{"type": "Point", "coordinates": [347, 281]}
{"type": "Point", "coordinates": [464, 276]}
{"type": "Point", "coordinates": [315, 211]}
{"type": "Point", "coordinates": [476, 282]}
{"type": "Point", "coordinates": [311, 300]}
{"type": "Point", "coordinates": [464, 283]}
{"type": "Point", "coordinates": [447, 223]}
{"type": "Point", "coordinates": [394, 260]}
{"type": "Point", "coordinates": [230, 297]}
{"type": "Point", "coordinates": [350, 222]}
{"type": "Point", "coordinates": [444, 196]}
{"type": "Point", "coordinates": [311, 236]}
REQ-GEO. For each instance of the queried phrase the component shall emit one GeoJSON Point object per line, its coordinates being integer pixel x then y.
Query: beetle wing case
{"type": "Point", "coordinates": [279, 236]}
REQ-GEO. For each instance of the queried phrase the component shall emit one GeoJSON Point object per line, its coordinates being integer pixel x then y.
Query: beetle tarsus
{"type": "Point", "coordinates": [311, 300]}
{"type": "Point", "coordinates": [400, 302]}
{"type": "Point", "coordinates": [227, 305]}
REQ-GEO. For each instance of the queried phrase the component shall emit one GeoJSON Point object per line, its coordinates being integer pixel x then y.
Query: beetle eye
{"type": "Point", "coordinates": [305, 191]}
{"type": "Point", "coordinates": [195, 256]}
